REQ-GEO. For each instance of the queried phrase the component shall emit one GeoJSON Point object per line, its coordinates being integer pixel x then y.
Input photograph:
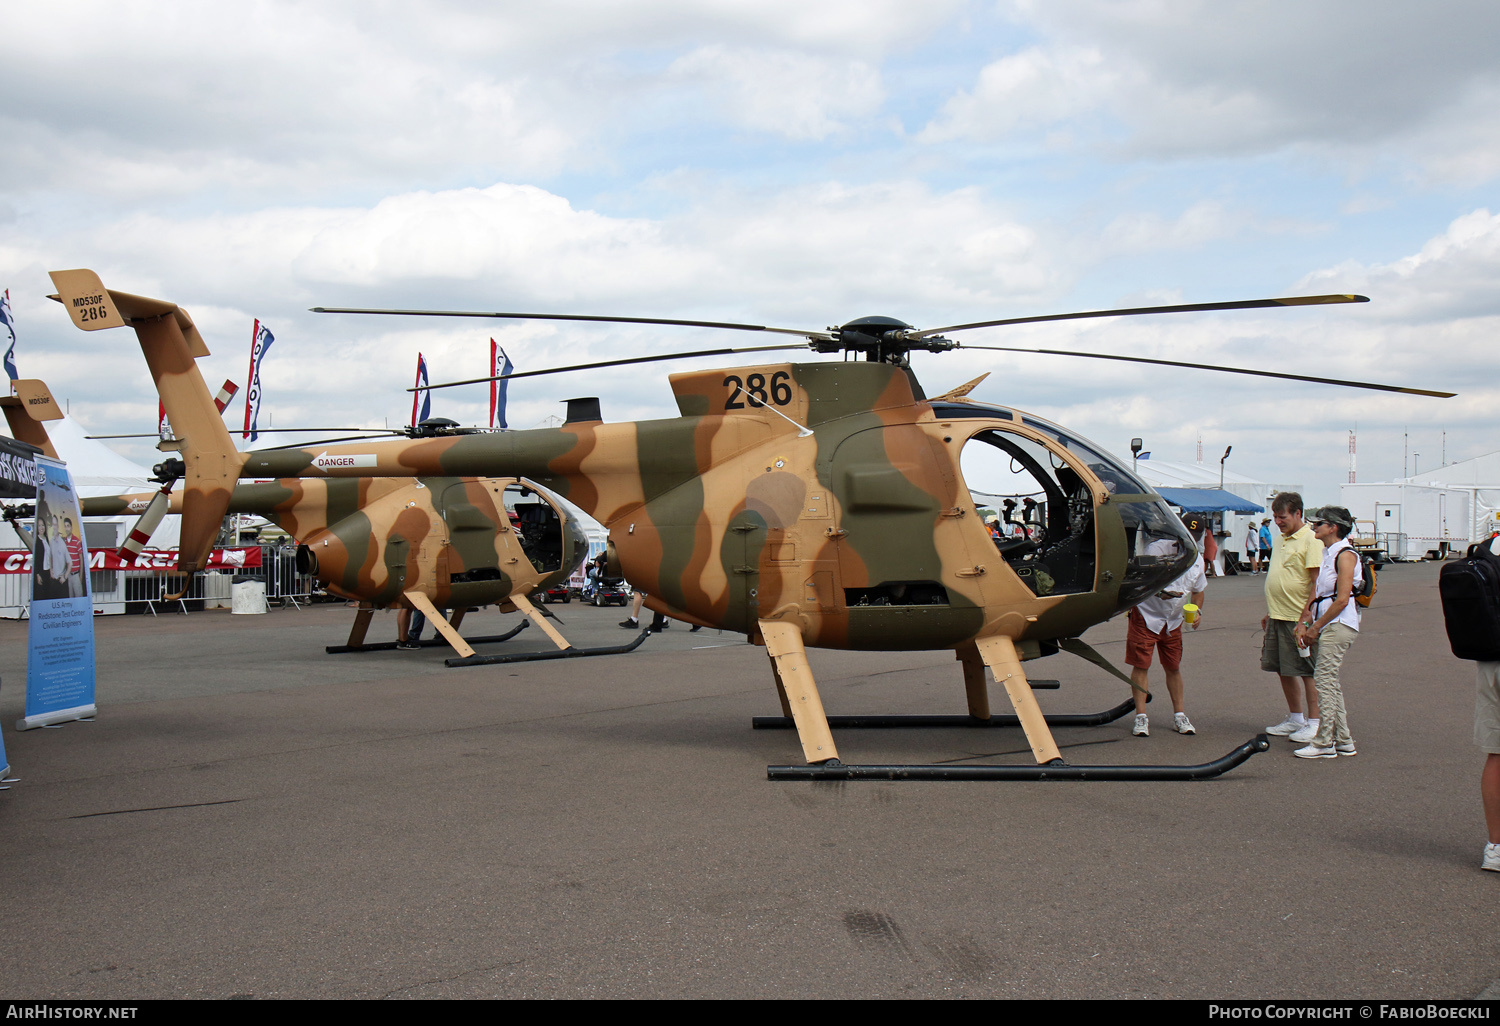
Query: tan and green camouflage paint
{"type": "Point", "coordinates": [729, 514]}
{"type": "Point", "coordinates": [171, 343]}
{"type": "Point", "coordinates": [375, 538]}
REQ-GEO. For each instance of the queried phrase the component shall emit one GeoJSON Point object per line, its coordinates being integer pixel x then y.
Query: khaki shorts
{"type": "Point", "coordinates": [1487, 709]}
{"type": "Point", "coordinates": [1278, 651]}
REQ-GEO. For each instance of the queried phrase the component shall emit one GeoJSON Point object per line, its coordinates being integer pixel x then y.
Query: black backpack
{"type": "Point", "coordinates": [1470, 590]}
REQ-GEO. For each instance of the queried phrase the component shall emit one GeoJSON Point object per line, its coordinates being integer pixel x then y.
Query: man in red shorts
{"type": "Point", "coordinates": [1157, 624]}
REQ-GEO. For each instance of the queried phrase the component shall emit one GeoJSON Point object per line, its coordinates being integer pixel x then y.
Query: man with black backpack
{"type": "Point", "coordinates": [1470, 590]}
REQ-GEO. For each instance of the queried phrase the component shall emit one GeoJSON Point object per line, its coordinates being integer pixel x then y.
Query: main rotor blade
{"type": "Point", "coordinates": [607, 363]}
{"type": "Point", "coordinates": [327, 441]}
{"type": "Point", "coordinates": [1216, 367]}
{"type": "Point", "coordinates": [822, 335]}
{"type": "Point", "coordinates": [261, 431]}
{"type": "Point", "coordinates": [1245, 304]}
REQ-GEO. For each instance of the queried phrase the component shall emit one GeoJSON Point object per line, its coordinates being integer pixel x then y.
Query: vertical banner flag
{"type": "Point", "coordinates": [260, 341]}
{"type": "Point", "coordinates": [60, 635]}
{"type": "Point", "coordinates": [9, 325]}
{"type": "Point", "coordinates": [422, 399]}
{"type": "Point", "coordinates": [499, 364]}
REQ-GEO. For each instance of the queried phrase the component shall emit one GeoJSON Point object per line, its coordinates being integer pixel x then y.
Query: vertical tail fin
{"type": "Point", "coordinates": [171, 344]}
{"type": "Point", "coordinates": [26, 410]}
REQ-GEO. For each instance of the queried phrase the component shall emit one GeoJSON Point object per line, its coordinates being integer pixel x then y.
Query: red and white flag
{"type": "Point", "coordinates": [226, 395]}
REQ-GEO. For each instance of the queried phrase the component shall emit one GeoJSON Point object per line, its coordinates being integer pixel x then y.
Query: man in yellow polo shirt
{"type": "Point", "coordinates": [1296, 557]}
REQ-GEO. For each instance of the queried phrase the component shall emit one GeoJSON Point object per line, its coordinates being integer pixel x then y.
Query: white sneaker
{"type": "Point", "coordinates": [1314, 752]}
{"type": "Point", "coordinates": [1285, 727]}
{"type": "Point", "coordinates": [1183, 724]}
{"type": "Point", "coordinates": [1142, 726]}
{"type": "Point", "coordinates": [1491, 858]}
{"type": "Point", "coordinates": [1345, 748]}
{"type": "Point", "coordinates": [1305, 734]}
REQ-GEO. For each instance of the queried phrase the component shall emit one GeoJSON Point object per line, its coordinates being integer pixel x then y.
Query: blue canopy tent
{"type": "Point", "coordinates": [1208, 500]}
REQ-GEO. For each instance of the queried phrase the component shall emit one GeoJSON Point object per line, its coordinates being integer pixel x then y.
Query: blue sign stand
{"type": "Point", "coordinates": [60, 657]}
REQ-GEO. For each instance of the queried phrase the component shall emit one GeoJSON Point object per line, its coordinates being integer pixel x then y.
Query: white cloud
{"type": "Point", "coordinates": [792, 94]}
{"type": "Point", "coordinates": [801, 257]}
{"type": "Point", "coordinates": [1431, 323]}
{"type": "Point", "coordinates": [1141, 232]}
{"type": "Point", "coordinates": [1034, 89]}
{"type": "Point", "coordinates": [1186, 78]}
{"type": "Point", "coordinates": [1452, 276]}
{"type": "Point", "coordinates": [294, 100]}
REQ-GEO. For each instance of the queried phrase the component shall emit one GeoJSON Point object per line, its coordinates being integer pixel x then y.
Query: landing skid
{"type": "Point", "coordinates": [945, 720]}
{"type": "Point", "coordinates": [1056, 770]}
{"type": "Point", "coordinates": [566, 653]}
{"type": "Point", "coordinates": [438, 642]}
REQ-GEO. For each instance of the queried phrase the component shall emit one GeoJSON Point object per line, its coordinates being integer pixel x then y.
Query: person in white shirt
{"type": "Point", "coordinates": [1157, 624]}
{"type": "Point", "coordinates": [1252, 547]}
{"type": "Point", "coordinates": [1330, 620]}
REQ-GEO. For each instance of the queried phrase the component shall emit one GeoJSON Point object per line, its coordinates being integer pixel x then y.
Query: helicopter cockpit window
{"type": "Point", "coordinates": [1039, 510]}
{"type": "Point", "coordinates": [539, 528]}
{"type": "Point", "coordinates": [1160, 550]}
{"type": "Point", "coordinates": [1113, 474]}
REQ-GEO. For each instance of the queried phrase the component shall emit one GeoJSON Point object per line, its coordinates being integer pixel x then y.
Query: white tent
{"type": "Point", "coordinates": [1256, 488]}
{"type": "Point", "coordinates": [97, 469]}
{"type": "Point", "coordinates": [1480, 477]}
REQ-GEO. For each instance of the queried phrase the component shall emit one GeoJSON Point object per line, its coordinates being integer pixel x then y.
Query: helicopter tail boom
{"type": "Point", "coordinates": [171, 344]}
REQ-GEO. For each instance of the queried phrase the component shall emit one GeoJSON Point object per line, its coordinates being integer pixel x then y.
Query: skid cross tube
{"type": "Point", "coordinates": [566, 653]}
{"type": "Point", "coordinates": [877, 722]}
{"type": "Point", "coordinates": [1057, 770]}
{"type": "Point", "coordinates": [439, 641]}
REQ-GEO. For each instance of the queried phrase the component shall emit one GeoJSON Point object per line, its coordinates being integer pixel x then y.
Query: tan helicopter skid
{"type": "Point", "coordinates": [524, 605]}
{"type": "Point", "coordinates": [422, 604]}
{"type": "Point", "coordinates": [800, 690]}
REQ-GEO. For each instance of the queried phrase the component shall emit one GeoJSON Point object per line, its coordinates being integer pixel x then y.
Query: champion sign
{"type": "Point", "coordinates": [18, 561]}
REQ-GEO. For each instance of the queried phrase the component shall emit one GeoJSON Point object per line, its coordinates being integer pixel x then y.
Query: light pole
{"type": "Point", "coordinates": [1227, 450]}
{"type": "Point", "coordinates": [1135, 452]}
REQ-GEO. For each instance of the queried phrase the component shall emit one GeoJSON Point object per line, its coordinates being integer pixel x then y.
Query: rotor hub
{"type": "Point", "coordinates": [880, 339]}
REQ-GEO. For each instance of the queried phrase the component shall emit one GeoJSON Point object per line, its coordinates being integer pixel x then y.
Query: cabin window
{"type": "Point", "coordinates": [1045, 510]}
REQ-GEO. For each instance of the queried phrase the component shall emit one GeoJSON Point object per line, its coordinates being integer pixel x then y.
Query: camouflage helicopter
{"type": "Point", "coordinates": [827, 505]}
{"type": "Point", "coordinates": [431, 542]}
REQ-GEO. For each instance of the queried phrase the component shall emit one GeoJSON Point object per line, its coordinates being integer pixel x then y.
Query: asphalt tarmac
{"type": "Point", "coordinates": [249, 816]}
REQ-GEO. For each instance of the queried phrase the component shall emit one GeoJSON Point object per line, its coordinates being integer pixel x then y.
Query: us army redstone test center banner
{"type": "Point", "coordinates": [60, 657]}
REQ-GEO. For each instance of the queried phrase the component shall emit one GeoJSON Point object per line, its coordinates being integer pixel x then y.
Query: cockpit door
{"type": "Point", "coordinates": [1038, 505]}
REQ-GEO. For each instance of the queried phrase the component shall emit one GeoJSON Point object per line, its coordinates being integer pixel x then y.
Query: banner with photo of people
{"type": "Point", "coordinates": [60, 659]}
{"type": "Point", "coordinates": [17, 481]}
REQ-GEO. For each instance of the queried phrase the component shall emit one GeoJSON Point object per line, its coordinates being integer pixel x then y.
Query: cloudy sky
{"type": "Point", "coordinates": [787, 163]}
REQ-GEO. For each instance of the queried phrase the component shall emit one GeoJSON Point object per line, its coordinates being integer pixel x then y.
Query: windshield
{"type": "Point", "coordinates": [1161, 549]}
{"type": "Point", "coordinates": [1115, 475]}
